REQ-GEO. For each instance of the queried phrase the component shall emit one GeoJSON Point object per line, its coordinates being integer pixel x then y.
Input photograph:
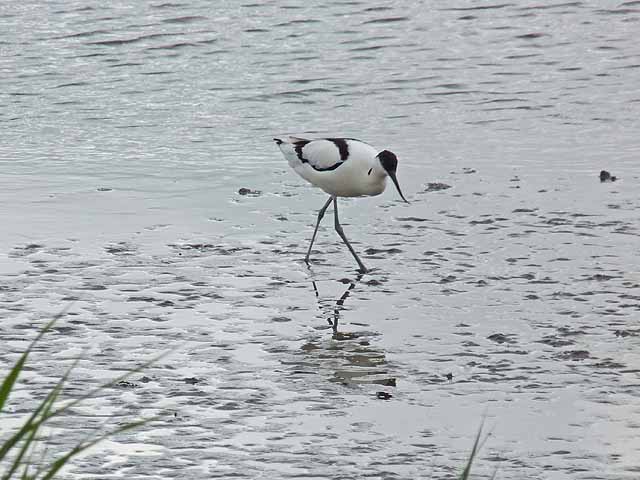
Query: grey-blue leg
{"type": "Point", "coordinates": [315, 231]}
{"type": "Point", "coordinates": [363, 269]}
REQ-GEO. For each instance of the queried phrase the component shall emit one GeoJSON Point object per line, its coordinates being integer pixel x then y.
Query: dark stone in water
{"type": "Point", "coordinates": [435, 187]}
{"type": "Point", "coordinates": [575, 355]}
{"type": "Point", "coordinates": [531, 36]}
{"type": "Point", "coordinates": [191, 380]}
{"type": "Point", "coordinates": [375, 251]}
{"type": "Point", "coordinates": [387, 382]}
{"type": "Point", "coordinates": [500, 338]}
{"type": "Point", "coordinates": [117, 249]}
{"type": "Point", "coordinates": [248, 191]}
{"type": "Point", "coordinates": [448, 279]}
{"type": "Point", "coordinates": [607, 177]}
{"type": "Point", "coordinates": [554, 341]}
{"type": "Point", "coordinates": [195, 246]}
{"type": "Point", "coordinates": [468, 170]}
{"type": "Point", "coordinates": [626, 333]}
{"type": "Point", "coordinates": [383, 395]}
{"type": "Point", "coordinates": [26, 250]}
{"type": "Point", "coordinates": [125, 384]}
{"type": "Point", "coordinates": [488, 221]}
{"type": "Point", "coordinates": [141, 298]}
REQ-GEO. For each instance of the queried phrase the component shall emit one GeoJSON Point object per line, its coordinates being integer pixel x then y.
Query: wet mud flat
{"type": "Point", "coordinates": [142, 192]}
{"type": "Point", "coordinates": [497, 298]}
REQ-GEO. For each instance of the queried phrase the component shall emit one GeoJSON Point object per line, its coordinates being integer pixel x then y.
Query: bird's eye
{"type": "Point", "coordinates": [369, 173]}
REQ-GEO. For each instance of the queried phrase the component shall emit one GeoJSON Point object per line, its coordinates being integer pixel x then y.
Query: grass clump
{"type": "Point", "coordinates": [477, 445]}
{"type": "Point", "coordinates": [18, 450]}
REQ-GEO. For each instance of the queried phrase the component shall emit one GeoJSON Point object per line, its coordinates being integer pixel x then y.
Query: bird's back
{"type": "Point", "coordinates": [336, 165]}
{"type": "Point", "coordinates": [324, 154]}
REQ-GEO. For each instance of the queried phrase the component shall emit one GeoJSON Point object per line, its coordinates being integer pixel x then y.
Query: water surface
{"type": "Point", "coordinates": [128, 131]}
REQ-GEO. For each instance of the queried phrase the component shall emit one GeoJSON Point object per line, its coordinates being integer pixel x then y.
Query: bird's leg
{"type": "Point", "coordinates": [363, 269]}
{"type": "Point", "coordinates": [315, 231]}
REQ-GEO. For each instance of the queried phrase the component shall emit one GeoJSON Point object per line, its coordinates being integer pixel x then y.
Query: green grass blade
{"type": "Point", "coordinates": [26, 438]}
{"type": "Point", "coordinates": [474, 451]}
{"type": "Point", "coordinates": [31, 423]}
{"type": "Point", "coordinates": [34, 425]}
{"type": "Point", "coordinates": [24, 430]}
{"type": "Point", "coordinates": [81, 447]}
{"type": "Point", "coordinates": [29, 462]}
{"type": "Point", "coordinates": [27, 445]}
{"type": "Point", "coordinates": [111, 383]}
{"type": "Point", "coordinates": [10, 379]}
{"type": "Point", "coordinates": [40, 468]}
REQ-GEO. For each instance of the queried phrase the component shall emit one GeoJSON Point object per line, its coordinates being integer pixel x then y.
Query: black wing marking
{"type": "Point", "coordinates": [343, 148]}
{"type": "Point", "coordinates": [332, 167]}
{"type": "Point", "coordinates": [298, 146]}
{"type": "Point", "coordinates": [321, 155]}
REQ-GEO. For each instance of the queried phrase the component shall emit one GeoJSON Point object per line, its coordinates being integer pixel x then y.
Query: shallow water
{"type": "Point", "coordinates": [128, 131]}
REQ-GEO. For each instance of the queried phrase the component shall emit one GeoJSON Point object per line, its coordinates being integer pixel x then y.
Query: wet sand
{"type": "Point", "coordinates": [495, 299]}
{"type": "Point", "coordinates": [140, 190]}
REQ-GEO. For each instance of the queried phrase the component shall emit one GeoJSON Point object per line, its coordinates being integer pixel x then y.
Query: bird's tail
{"type": "Point", "coordinates": [287, 146]}
{"type": "Point", "coordinates": [289, 139]}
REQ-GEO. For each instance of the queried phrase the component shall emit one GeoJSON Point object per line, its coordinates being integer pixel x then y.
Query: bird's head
{"type": "Point", "coordinates": [389, 163]}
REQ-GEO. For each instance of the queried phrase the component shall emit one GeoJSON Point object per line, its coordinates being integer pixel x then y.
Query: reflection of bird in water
{"type": "Point", "coordinates": [358, 362]}
{"type": "Point", "coordinates": [342, 167]}
{"type": "Point", "coordinates": [338, 307]}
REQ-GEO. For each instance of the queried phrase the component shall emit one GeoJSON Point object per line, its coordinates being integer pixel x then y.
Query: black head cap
{"type": "Point", "coordinates": [388, 160]}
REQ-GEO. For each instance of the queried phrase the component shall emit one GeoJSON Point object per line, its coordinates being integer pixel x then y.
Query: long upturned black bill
{"type": "Point", "coordinates": [395, 182]}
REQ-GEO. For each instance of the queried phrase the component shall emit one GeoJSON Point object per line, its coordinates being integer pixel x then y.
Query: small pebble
{"type": "Point", "coordinates": [607, 177]}
{"type": "Point", "coordinates": [126, 384]}
{"type": "Point", "coordinates": [248, 191]}
{"type": "Point", "coordinates": [435, 187]}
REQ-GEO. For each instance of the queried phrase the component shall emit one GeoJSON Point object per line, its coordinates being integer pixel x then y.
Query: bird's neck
{"type": "Point", "coordinates": [377, 175]}
{"type": "Point", "coordinates": [377, 180]}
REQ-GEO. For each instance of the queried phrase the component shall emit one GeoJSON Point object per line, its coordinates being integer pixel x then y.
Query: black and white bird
{"type": "Point", "coordinates": [342, 167]}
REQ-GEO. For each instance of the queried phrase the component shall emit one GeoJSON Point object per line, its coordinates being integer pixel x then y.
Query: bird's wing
{"type": "Point", "coordinates": [323, 154]}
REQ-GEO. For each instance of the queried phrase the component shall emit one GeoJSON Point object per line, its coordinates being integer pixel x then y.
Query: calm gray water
{"type": "Point", "coordinates": [128, 129]}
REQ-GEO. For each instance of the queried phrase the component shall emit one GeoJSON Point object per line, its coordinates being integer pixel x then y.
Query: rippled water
{"type": "Point", "coordinates": [128, 129]}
